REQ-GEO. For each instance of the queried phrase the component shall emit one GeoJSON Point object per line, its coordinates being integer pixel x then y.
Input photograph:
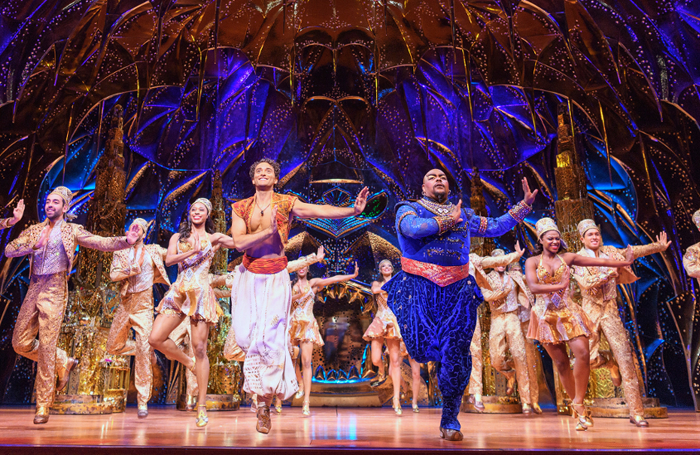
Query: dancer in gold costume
{"type": "Point", "coordinates": [477, 267]}
{"type": "Point", "coordinates": [599, 301]}
{"type": "Point", "coordinates": [385, 329]}
{"type": "Point", "coordinates": [51, 245]}
{"type": "Point", "coordinates": [556, 320]}
{"type": "Point", "coordinates": [691, 258]}
{"type": "Point", "coordinates": [507, 294]}
{"type": "Point", "coordinates": [137, 269]}
{"type": "Point", "coordinates": [303, 328]}
{"type": "Point", "coordinates": [192, 248]}
{"type": "Point", "coordinates": [17, 214]}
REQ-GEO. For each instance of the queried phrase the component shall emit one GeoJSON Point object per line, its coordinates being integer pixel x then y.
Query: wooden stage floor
{"type": "Point", "coordinates": [167, 430]}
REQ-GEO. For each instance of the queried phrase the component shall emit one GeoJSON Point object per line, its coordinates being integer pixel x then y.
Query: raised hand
{"type": "Point", "coordinates": [321, 253]}
{"type": "Point", "coordinates": [629, 256]}
{"type": "Point", "coordinates": [456, 213]}
{"type": "Point", "coordinates": [43, 238]}
{"type": "Point", "coordinates": [18, 212]}
{"type": "Point", "coordinates": [663, 240]}
{"type": "Point", "coordinates": [132, 236]}
{"type": "Point", "coordinates": [529, 195]}
{"type": "Point", "coordinates": [357, 271]}
{"type": "Point", "coordinates": [519, 250]}
{"type": "Point", "coordinates": [361, 201]}
{"type": "Point", "coordinates": [273, 220]}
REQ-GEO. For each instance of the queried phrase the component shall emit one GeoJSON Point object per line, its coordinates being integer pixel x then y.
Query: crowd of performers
{"type": "Point", "coordinates": [427, 311]}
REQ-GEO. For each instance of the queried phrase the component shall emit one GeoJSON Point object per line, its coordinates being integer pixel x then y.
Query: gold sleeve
{"type": "Point", "coordinates": [691, 261]}
{"type": "Point", "coordinates": [23, 245]}
{"type": "Point", "coordinates": [302, 262]}
{"type": "Point", "coordinates": [489, 262]}
{"type": "Point", "coordinates": [491, 296]}
{"type": "Point", "coordinates": [120, 268]}
{"type": "Point", "coordinates": [589, 280]}
{"type": "Point", "coordinates": [645, 250]}
{"type": "Point", "coordinates": [96, 242]}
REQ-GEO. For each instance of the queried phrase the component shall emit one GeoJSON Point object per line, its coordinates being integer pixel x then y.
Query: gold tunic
{"type": "Point", "coordinates": [384, 325]}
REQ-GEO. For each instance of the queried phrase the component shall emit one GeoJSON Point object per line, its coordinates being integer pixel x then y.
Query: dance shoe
{"type": "Point", "coordinates": [202, 420]}
{"type": "Point", "coordinates": [527, 409]}
{"type": "Point", "coordinates": [583, 419]}
{"type": "Point", "coordinates": [397, 407]}
{"type": "Point", "coordinates": [191, 402]}
{"type": "Point", "coordinates": [451, 435]}
{"type": "Point", "coordinates": [639, 421]}
{"type": "Point", "coordinates": [478, 404]}
{"type": "Point", "coordinates": [194, 365]}
{"type": "Point", "coordinates": [63, 377]}
{"type": "Point", "coordinates": [300, 393]}
{"type": "Point", "coordinates": [379, 380]}
{"type": "Point", "coordinates": [264, 423]}
{"type": "Point", "coordinates": [142, 413]}
{"type": "Point", "coordinates": [42, 415]}
{"type": "Point", "coordinates": [416, 409]}
{"type": "Point", "coordinates": [536, 407]}
{"type": "Point", "coordinates": [305, 409]}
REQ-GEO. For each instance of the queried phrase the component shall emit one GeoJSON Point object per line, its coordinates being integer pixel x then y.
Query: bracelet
{"type": "Point", "coordinates": [519, 211]}
{"type": "Point", "coordinates": [445, 223]}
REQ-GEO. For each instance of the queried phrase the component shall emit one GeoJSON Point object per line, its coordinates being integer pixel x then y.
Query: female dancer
{"type": "Point", "coordinates": [384, 327]}
{"type": "Point", "coordinates": [556, 319]}
{"type": "Point", "coordinates": [303, 327]}
{"type": "Point", "coordinates": [192, 248]}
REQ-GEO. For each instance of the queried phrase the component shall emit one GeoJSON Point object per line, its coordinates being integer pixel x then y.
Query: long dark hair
{"type": "Point", "coordinates": [186, 227]}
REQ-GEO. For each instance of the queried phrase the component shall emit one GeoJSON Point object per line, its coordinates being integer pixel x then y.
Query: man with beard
{"type": "Point", "coordinates": [137, 269]}
{"type": "Point", "coordinates": [16, 216]}
{"type": "Point", "coordinates": [52, 246]}
{"type": "Point", "coordinates": [434, 298]}
{"type": "Point", "coordinates": [261, 291]}
{"type": "Point", "coordinates": [599, 301]}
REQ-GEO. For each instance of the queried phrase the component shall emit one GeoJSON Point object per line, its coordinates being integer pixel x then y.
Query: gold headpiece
{"type": "Point", "coordinates": [696, 219]}
{"type": "Point", "coordinates": [64, 193]}
{"type": "Point", "coordinates": [497, 252]}
{"type": "Point", "coordinates": [585, 225]}
{"type": "Point", "coordinates": [545, 225]}
{"type": "Point", "coordinates": [204, 201]}
{"type": "Point", "coordinates": [142, 223]}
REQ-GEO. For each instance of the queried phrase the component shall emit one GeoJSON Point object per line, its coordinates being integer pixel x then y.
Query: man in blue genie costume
{"type": "Point", "coordinates": [434, 297]}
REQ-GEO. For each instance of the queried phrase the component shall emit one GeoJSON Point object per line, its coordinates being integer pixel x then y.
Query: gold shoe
{"type": "Point", "coordinates": [202, 420]}
{"type": "Point", "coordinates": [451, 435]}
{"type": "Point", "coordinates": [397, 408]}
{"type": "Point", "coordinates": [639, 421]}
{"type": "Point", "coordinates": [264, 423]}
{"type": "Point", "coordinates": [63, 378]}
{"type": "Point", "coordinates": [536, 407]}
{"type": "Point", "coordinates": [527, 409]}
{"type": "Point", "coordinates": [300, 394]}
{"type": "Point", "coordinates": [305, 409]}
{"type": "Point", "coordinates": [42, 415]}
{"type": "Point", "coordinates": [278, 408]}
{"type": "Point", "coordinates": [478, 404]}
{"type": "Point", "coordinates": [379, 380]}
{"type": "Point", "coordinates": [583, 420]}
{"type": "Point", "coordinates": [416, 409]}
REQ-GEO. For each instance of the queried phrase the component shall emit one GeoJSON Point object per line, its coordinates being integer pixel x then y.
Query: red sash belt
{"type": "Point", "coordinates": [442, 275]}
{"type": "Point", "coordinates": [264, 266]}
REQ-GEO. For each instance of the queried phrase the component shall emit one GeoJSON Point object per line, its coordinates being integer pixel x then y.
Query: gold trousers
{"type": "Point", "coordinates": [476, 379]}
{"type": "Point", "coordinates": [531, 355]}
{"type": "Point", "coordinates": [606, 318]}
{"type": "Point", "coordinates": [135, 311]}
{"type": "Point", "coordinates": [42, 313]}
{"type": "Point", "coordinates": [506, 334]}
{"type": "Point", "coordinates": [183, 339]}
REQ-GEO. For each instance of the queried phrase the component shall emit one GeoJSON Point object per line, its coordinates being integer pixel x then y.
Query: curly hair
{"type": "Point", "coordinates": [275, 165]}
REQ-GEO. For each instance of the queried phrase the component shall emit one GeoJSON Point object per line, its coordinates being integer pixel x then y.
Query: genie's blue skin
{"type": "Point", "coordinates": [437, 323]}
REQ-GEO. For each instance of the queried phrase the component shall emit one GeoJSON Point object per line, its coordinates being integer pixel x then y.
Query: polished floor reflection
{"type": "Point", "coordinates": [346, 427]}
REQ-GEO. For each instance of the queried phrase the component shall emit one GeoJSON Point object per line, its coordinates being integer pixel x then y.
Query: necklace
{"type": "Point", "coordinates": [262, 211]}
{"type": "Point", "coordinates": [436, 207]}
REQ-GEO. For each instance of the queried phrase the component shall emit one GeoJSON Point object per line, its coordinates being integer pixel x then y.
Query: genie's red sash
{"type": "Point", "coordinates": [264, 266]}
{"type": "Point", "coordinates": [442, 275]}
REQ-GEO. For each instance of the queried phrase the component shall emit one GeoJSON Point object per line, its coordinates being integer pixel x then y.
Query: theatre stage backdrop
{"type": "Point", "coordinates": [348, 93]}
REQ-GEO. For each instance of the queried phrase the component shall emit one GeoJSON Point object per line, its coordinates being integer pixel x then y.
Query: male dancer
{"type": "Point", "coordinates": [507, 294]}
{"type": "Point", "coordinates": [137, 269]}
{"type": "Point", "coordinates": [599, 301]}
{"type": "Point", "coordinates": [16, 216]}
{"type": "Point", "coordinates": [434, 298]}
{"type": "Point", "coordinates": [261, 292]}
{"type": "Point", "coordinates": [51, 245]}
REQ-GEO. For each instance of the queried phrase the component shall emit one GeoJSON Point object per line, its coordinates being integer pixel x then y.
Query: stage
{"type": "Point", "coordinates": [327, 429]}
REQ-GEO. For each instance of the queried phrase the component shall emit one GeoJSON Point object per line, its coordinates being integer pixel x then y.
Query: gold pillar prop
{"type": "Point", "coordinates": [494, 383]}
{"type": "Point", "coordinates": [572, 206]}
{"type": "Point", "coordinates": [224, 375]}
{"type": "Point", "coordinates": [100, 383]}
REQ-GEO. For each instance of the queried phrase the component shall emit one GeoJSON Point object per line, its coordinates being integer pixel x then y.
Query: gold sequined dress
{"type": "Point", "coordinates": [384, 324]}
{"type": "Point", "coordinates": [191, 293]}
{"type": "Point", "coordinates": [303, 325]}
{"type": "Point", "coordinates": [555, 317]}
